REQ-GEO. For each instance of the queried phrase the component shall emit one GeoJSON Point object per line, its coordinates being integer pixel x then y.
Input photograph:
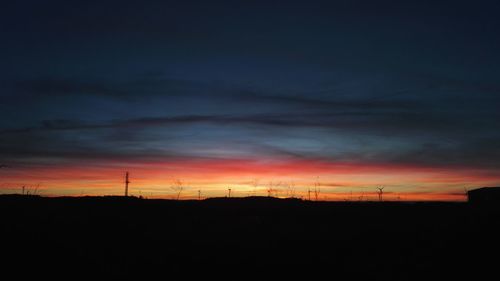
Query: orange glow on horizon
{"type": "Point", "coordinates": [337, 181]}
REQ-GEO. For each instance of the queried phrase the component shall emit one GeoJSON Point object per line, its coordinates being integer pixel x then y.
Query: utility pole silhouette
{"type": "Point", "coordinates": [309, 194]}
{"type": "Point", "coordinates": [380, 193]}
{"type": "Point", "coordinates": [229, 192]}
{"type": "Point", "coordinates": [199, 194]}
{"type": "Point", "coordinates": [126, 184]}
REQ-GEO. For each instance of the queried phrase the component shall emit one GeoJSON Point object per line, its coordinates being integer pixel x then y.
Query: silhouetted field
{"type": "Point", "coordinates": [249, 238]}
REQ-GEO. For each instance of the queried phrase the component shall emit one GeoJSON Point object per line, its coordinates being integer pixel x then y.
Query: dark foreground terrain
{"type": "Point", "coordinates": [252, 238]}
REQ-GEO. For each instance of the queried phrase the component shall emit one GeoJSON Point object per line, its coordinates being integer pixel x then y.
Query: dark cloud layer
{"type": "Point", "coordinates": [413, 82]}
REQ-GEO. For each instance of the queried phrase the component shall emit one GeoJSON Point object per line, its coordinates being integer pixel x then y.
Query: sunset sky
{"type": "Point", "coordinates": [250, 95]}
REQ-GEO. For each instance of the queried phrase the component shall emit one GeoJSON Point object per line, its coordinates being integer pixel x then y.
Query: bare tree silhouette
{"type": "Point", "coordinates": [199, 194]}
{"type": "Point", "coordinates": [178, 187]}
{"type": "Point", "coordinates": [229, 192]}
{"type": "Point", "coordinates": [30, 190]}
{"type": "Point", "coordinates": [380, 193]}
{"type": "Point", "coordinates": [360, 198]}
{"type": "Point", "coordinates": [290, 190]}
{"type": "Point", "coordinates": [271, 188]}
{"type": "Point", "coordinates": [36, 189]}
{"type": "Point", "coordinates": [255, 184]}
{"type": "Point", "coordinates": [287, 189]}
{"type": "Point", "coordinates": [317, 189]}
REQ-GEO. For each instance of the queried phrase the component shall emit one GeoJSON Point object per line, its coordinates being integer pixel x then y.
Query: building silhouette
{"type": "Point", "coordinates": [484, 195]}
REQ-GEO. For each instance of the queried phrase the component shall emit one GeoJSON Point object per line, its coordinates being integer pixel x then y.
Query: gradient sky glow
{"type": "Point", "coordinates": [224, 94]}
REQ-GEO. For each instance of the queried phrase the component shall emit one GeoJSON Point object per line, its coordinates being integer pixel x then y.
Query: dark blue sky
{"type": "Point", "coordinates": [380, 82]}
